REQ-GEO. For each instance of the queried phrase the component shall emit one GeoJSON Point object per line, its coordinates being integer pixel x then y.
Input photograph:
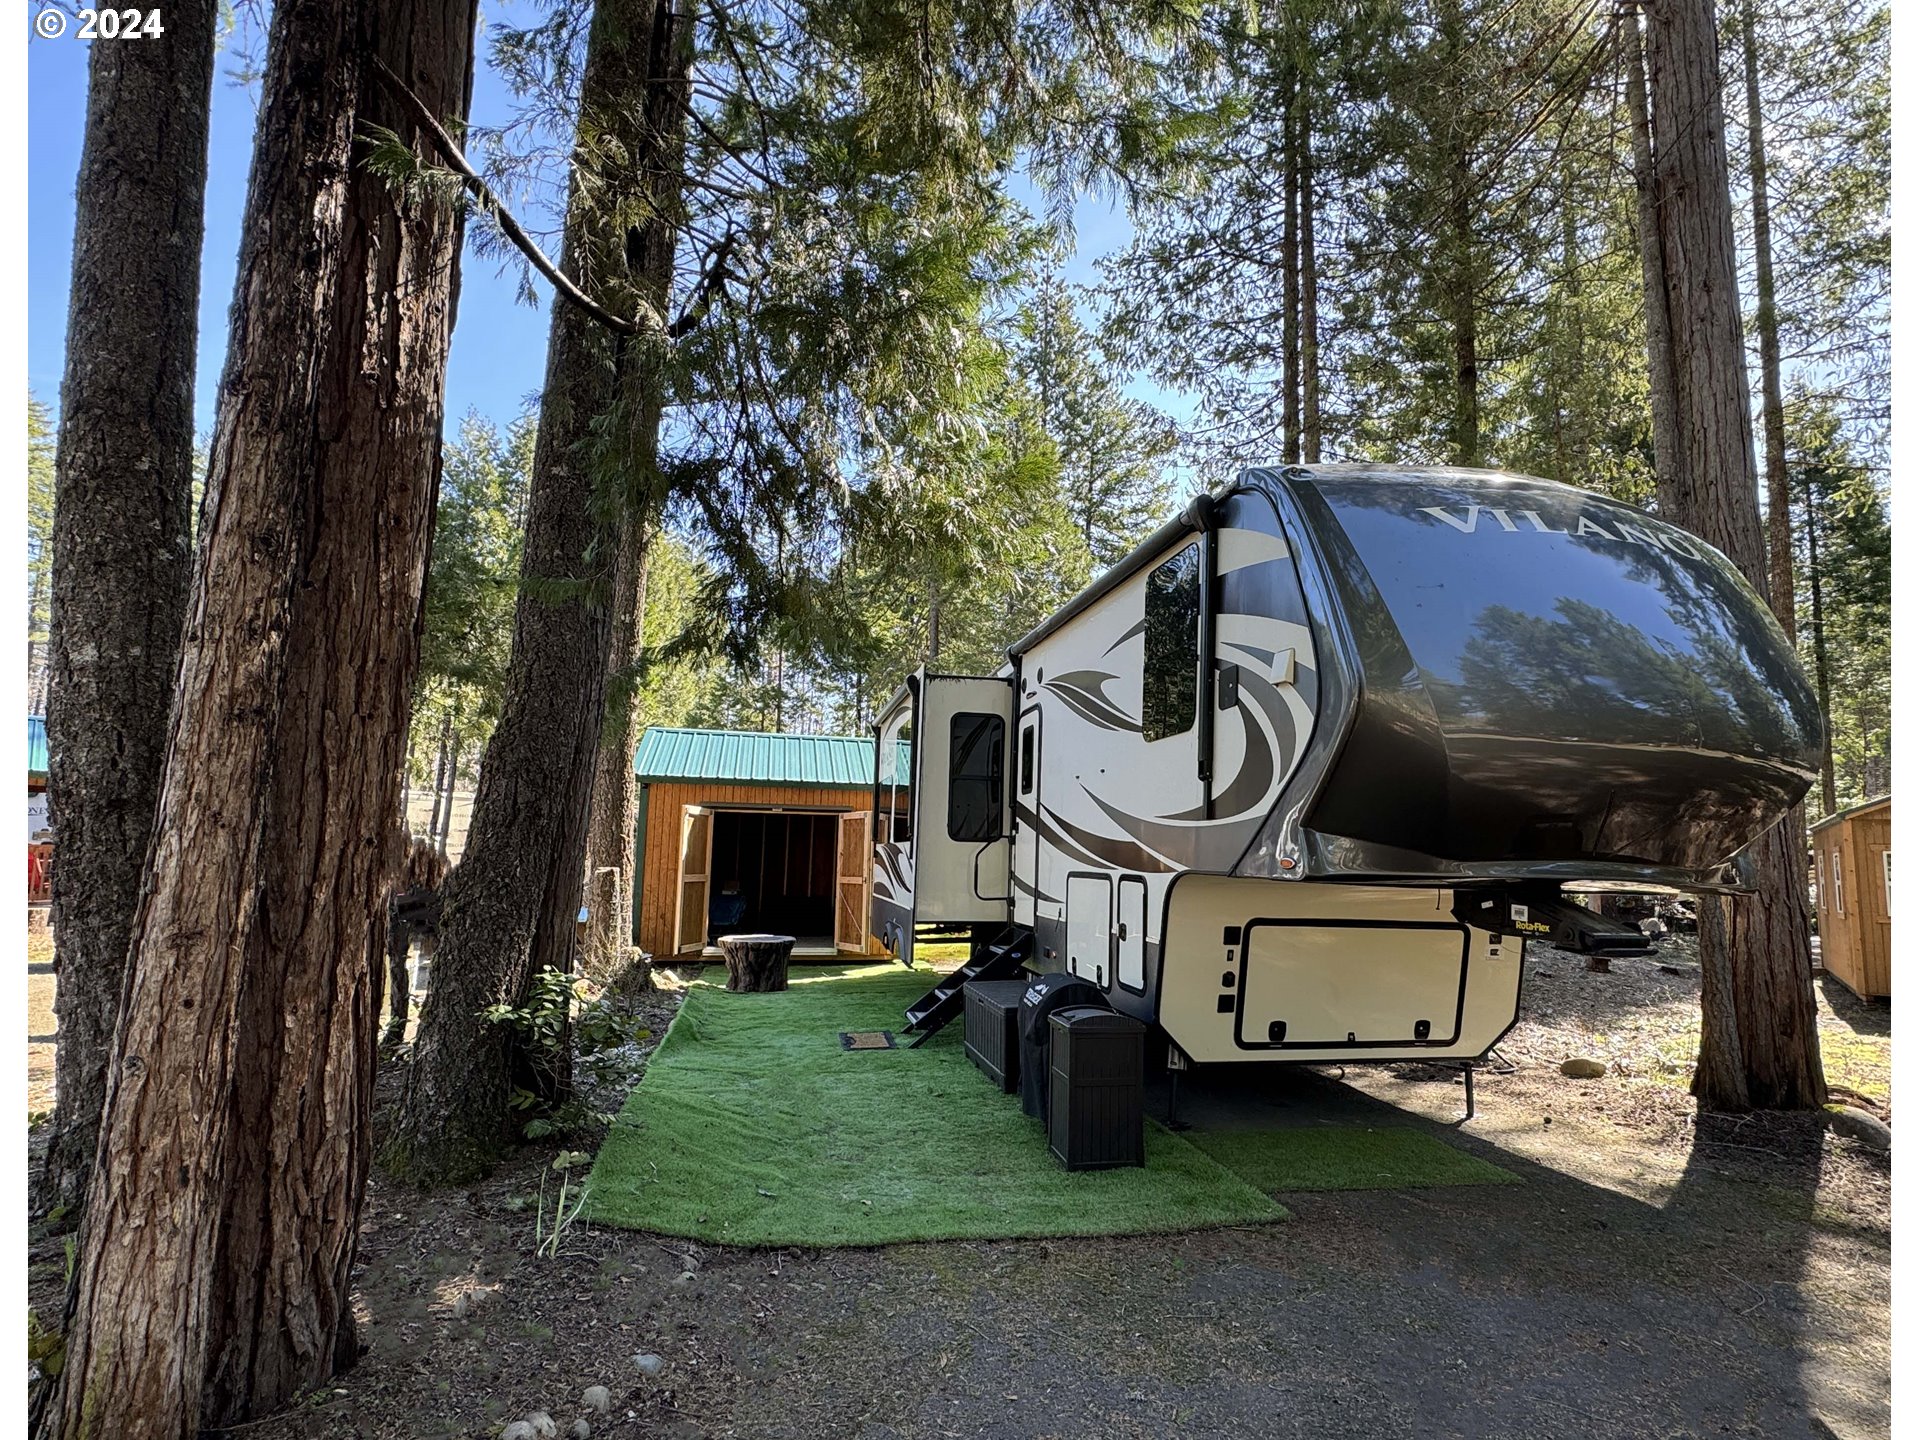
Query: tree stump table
{"type": "Point", "coordinates": [756, 962]}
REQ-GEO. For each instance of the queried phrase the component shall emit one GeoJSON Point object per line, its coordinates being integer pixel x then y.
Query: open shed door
{"type": "Point", "coordinates": [854, 875]}
{"type": "Point", "coordinates": [696, 859]}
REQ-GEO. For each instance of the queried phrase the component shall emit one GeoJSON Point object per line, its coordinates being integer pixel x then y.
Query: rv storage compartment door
{"type": "Point", "coordinates": [1311, 985]}
{"type": "Point", "coordinates": [1089, 926]}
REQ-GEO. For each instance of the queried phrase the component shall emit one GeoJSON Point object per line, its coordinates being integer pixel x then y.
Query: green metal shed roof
{"type": "Point", "coordinates": [37, 745]}
{"type": "Point", "coordinates": [747, 756]}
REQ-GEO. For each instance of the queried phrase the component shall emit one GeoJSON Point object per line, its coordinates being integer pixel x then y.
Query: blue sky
{"type": "Point", "coordinates": [499, 344]}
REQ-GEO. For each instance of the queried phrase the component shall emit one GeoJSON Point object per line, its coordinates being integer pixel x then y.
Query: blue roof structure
{"type": "Point", "coordinates": [36, 745]}
{"type": "Point", "coordinates": [747, 756]}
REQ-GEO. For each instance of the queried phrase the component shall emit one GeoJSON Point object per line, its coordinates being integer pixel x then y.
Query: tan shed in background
{"type": "Point", "coordinates": [800, 804]}
{"type": "Point", "coordinates": [1853, 886]}
{"type": "Point", "coordinates": [672, 883]}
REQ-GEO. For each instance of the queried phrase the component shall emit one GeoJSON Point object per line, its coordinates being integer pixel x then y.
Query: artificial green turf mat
{"type": "Point", "coordinates": [753, 1127]}
{"type": "Point", "coordinates": [1346, 1157]}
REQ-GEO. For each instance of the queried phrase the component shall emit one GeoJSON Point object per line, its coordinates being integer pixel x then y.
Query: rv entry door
{"type": "Point", "coordinates": [1026, 818]}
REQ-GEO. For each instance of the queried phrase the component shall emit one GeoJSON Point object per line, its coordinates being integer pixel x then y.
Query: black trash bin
{"type": "Point", "coordinates": [993, 1029]}
{"type": "Point", "coordinates": [1044, 996]}
{"type": "Point", "coordinates": [1095, 1093]}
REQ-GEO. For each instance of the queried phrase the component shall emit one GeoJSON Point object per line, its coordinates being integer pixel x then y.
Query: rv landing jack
{"type": "Point", "coordinates": [1467, 1068]}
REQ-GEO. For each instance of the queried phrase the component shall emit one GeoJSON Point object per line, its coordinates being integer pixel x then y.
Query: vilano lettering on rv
{"type": "Point", "coordinates": [1584, 524]}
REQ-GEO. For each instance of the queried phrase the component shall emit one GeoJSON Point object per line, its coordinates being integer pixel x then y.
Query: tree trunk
{"type": "Point", "coordinates": [1662, 398]}
{"type": "Point", "coordinates": [616, 794]}
{"type": "Point", "coordinates": [1290, 275]}
{"type": "Point", "coordinates": [1719, 1074]}
{"type": "Point", "coordinates": [1767, 320]}
{"type": "Point", "coordinates": [224, 1219]}
{"type": "Point", "coordinates": [756, 963]}
{"type": "Point", "coordinates": [399, 982]}
{"type": "Point", "coordinates": [1714, 494]}
{"type": "Point", "coordinates": [139, 1341]}
{"type": "Point", "coordinates": [1466, 329]}
{"type": "Point", "coordinates": [616, 808]}
{"type": "Point", "coordinates": [441, 787]}
{"type": "Point", "coordinates": [444, 839]}
{"type": "Point", "coordinates": [510, 905]}
{"type": "Point", "coordinates": [1822, 677]}
{"type": "Point", "coordinates": [1462, 289]}
{"type": "Point", "coordinates": [1309, 291]}
{"type": "Point", "coordinates": [121, 548]}
{"type": "Point", "coordinates": [304, 1103]}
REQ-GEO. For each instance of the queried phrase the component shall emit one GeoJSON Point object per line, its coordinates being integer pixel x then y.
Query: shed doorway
{"type": "Point", "coordinates": [770, 870]}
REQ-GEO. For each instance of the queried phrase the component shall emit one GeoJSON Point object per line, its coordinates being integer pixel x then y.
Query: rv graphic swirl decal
{"type": "Point", "coordinates": [893, 876]}
{"type": "Point", "coordinates": [1129, 804]}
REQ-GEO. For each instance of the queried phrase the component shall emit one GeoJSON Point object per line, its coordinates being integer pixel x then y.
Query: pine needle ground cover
{"type": "Point", "coordinates": [754, 1126]}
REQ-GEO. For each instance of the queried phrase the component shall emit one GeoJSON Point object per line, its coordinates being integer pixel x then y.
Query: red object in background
{"type": "Point", "coordinates": [39, 864]}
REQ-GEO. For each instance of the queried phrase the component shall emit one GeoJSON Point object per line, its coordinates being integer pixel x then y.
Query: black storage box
{"type": "Point", "coordinates": [1095, 1094]}
{"type": "Point", "coordinates": [1045, 995]}
{"type": "Point", "coordinates": [993, 1029]}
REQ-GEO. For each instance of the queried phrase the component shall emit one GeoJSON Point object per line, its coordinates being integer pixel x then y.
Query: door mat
{"type": "Point", "coordinates": [866, 1040]}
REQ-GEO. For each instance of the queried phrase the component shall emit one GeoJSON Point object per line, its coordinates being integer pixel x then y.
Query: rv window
{"type": "Point", "coordinates": [903, 785]}
{"type": "Point", "coordinates": [975, 779]}
{"type": "Point", "coordinates": [1170, 675]}
{"type": "Point", "coordinates": [893, 782]}
{"type": "Point", "coordinates": [1026, 758]}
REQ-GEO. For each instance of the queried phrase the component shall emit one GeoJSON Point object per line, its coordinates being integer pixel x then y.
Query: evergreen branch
{"type": "Point", "coordinates": [712, 284]}
{"type": "Point", "coordinates": [496, 208]}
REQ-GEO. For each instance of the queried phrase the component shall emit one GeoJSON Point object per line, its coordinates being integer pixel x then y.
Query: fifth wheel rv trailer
{"type": "Point", "coordinates": [1298, 779]}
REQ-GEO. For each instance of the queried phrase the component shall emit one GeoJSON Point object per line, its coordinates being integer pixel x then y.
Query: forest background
{"type": "Point", "coordinates": [1397, 248]}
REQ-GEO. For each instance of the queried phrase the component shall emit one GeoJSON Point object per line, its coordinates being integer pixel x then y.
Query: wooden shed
{"type": "Point", "coordinates": [743, 831]}
{"type": "Point", "coordinates": [1853, 887]}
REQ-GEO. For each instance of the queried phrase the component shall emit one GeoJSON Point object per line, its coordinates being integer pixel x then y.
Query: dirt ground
{"type": "Point", "coordinates": [40, 1023]}
{"type": "Point", "coordinates": [1651, 1278]}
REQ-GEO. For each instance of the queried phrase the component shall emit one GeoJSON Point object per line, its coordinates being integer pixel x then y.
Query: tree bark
{"type": "Point", "coordinates": [1714, 494]}
{"type": "Point", "coordinates": [1719, 1073]}
{"type": "Point", "coordinates": [1290, 273]}
{"type": "Point", "coordinates": [616, 794]}
{"type": "Point", "coordinates": [441, 787]}
{"type": "Point", "coordinates": [1309, 291]}
{"type": "Point", "coordinates": [145, 1304]}
{"type": "Point", "coordinates": [122, 553]}
{"type": "Point", "coordinates": [305, 1092]}
{"type": "Point", "coordinates": [1662, 397]}
{"type": "Point", "coordinates": [756, 963]}
{"type": "Point", "coordinates": [511, 904]}
{"type": "Point", "coordinates": [444, 839]}
{"type": "Point", "coordinates": [1462, 287]}
{"type": "Point", "coordinates": [1766, 320]}
{"type": "Point", "coordinates": [399, 987]}
{"type": "Point", "coordinates": [1822, 676]}
{"type": "Point", "coordinates": [654, 242]}
{"type": "Point", "coordinates": [214, 1283]}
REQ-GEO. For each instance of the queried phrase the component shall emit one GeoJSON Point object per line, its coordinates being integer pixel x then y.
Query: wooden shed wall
{"type": "Point", "coordinates": [1856, 928]}
{"type": "Point", "coordinates": [660, 857]}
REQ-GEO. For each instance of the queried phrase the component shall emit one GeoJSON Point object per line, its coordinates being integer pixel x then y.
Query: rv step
{"type": "Point", "coordinates": [999, 960]}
